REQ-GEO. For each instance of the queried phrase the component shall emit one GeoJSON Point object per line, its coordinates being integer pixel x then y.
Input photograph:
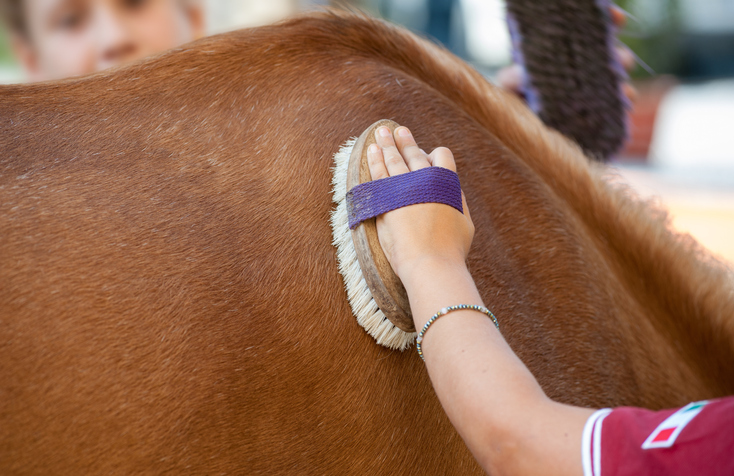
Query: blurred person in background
{"type": "Point", "coordinates": [54, 39]}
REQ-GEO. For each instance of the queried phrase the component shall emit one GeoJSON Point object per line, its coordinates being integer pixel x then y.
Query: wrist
{"type": "Point", "coordinates": [430, 269]}
{"type": "Point", "coordinates": [433, 284]}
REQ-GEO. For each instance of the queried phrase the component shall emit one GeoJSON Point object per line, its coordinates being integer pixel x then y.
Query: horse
{"type": "Point", "coordinates": [169, 294]}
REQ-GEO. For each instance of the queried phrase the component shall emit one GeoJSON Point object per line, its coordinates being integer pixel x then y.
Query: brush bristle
{"type": "Point", "coordinates": [368, 315]}
{"type": "Point", "coordinates": [573, 77]}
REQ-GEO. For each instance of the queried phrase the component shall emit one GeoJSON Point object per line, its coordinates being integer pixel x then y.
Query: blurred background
{"type": "Point", "coordinates": [681, 148]}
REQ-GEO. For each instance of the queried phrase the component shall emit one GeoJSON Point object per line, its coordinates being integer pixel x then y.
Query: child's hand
{"type": "Point", "coordinates": [422, 233]}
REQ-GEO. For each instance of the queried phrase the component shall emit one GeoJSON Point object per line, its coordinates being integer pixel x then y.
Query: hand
{"type": "Point", "coordinates": [421, 233]}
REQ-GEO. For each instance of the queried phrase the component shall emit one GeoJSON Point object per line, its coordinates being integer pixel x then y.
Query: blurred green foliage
{"type": "Point", "coordinates": [654, 38]}
{"type": "Point", "coordinates": [6, 55]}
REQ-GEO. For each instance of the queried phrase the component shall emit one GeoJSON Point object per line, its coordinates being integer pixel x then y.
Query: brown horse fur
{"type": "Point", "coordinates": [169, 294]}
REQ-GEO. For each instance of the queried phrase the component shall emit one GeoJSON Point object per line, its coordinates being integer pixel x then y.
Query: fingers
{"type": "Point", "coordinates": [410, 151]}
{"type": "Point", "coordinates": [619, 16]}
{"type": "Point", "coordinates": [510, 78]}
{"type": "Point", "coordinates": [630, 92]}
{"type": "Point", "coordinates": [465, 207]}
{"type": "Point", "coordinates": [442, 157]}
{"type": "Point", "coordinates": [626, 58]}
{"type": "Point", "coordinates": [376, 162]}
{"type": "Point", "coordinates": [393, 160]}
{"type": "Point", "coordinates": [624, 55]}
{"type": "Point", "coordinates": [398, 154]}
{"type": "Point", "coordinates": [428, 157]}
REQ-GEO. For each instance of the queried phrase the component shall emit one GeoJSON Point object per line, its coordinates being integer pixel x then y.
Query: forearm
{"type": "Point", "coordinates": [490, 396]}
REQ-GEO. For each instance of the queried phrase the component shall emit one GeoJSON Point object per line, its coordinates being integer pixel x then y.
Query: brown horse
{"type": "Point", "coordinates": [169, 293]}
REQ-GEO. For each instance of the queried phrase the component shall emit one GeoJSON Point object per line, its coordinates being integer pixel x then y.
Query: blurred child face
{"type": "Point", "coordinates": [74, 37]}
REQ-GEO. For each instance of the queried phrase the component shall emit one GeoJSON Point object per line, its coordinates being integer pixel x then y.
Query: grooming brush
{"type": "Point", "coordinates": [573, 79]}
{"type": "Point", "coordinates": [376, 295]}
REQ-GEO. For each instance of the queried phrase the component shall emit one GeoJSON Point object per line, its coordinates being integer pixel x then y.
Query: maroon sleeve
{"type": "Point", "coordinates": [697, 439]}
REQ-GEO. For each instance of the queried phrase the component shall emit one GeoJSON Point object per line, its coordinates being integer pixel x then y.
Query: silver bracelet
{"type": "Point", "coordinates": [446, 310]}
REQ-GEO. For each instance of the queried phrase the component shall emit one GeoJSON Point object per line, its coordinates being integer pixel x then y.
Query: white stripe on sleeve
{"type": "Point", "coordinates": [587, 452]}
{"type": "Point", "coordinates": [597, 443]}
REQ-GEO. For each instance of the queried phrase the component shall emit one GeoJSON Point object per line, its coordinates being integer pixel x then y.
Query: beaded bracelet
{"type": "Point", "coordinates": [445, 311]}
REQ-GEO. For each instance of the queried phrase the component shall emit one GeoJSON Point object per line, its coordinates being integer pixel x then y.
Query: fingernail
{"type": "Point", "coordinates": [404, 132]}
{"type": "Point", "coordinates": [373, 149]}
{"type": "Point", "coordinates": [384, 132]}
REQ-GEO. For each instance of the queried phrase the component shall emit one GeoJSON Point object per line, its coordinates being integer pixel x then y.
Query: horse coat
{"type": "Point", "coordinates": [169, 294]}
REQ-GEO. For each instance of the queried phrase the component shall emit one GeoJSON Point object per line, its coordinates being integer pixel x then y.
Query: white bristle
{"type": "Point", "coordinates": [363, 305]}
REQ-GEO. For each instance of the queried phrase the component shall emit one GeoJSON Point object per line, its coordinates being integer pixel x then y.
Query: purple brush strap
{"type": "Point", "coordinates": [428, 185]}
